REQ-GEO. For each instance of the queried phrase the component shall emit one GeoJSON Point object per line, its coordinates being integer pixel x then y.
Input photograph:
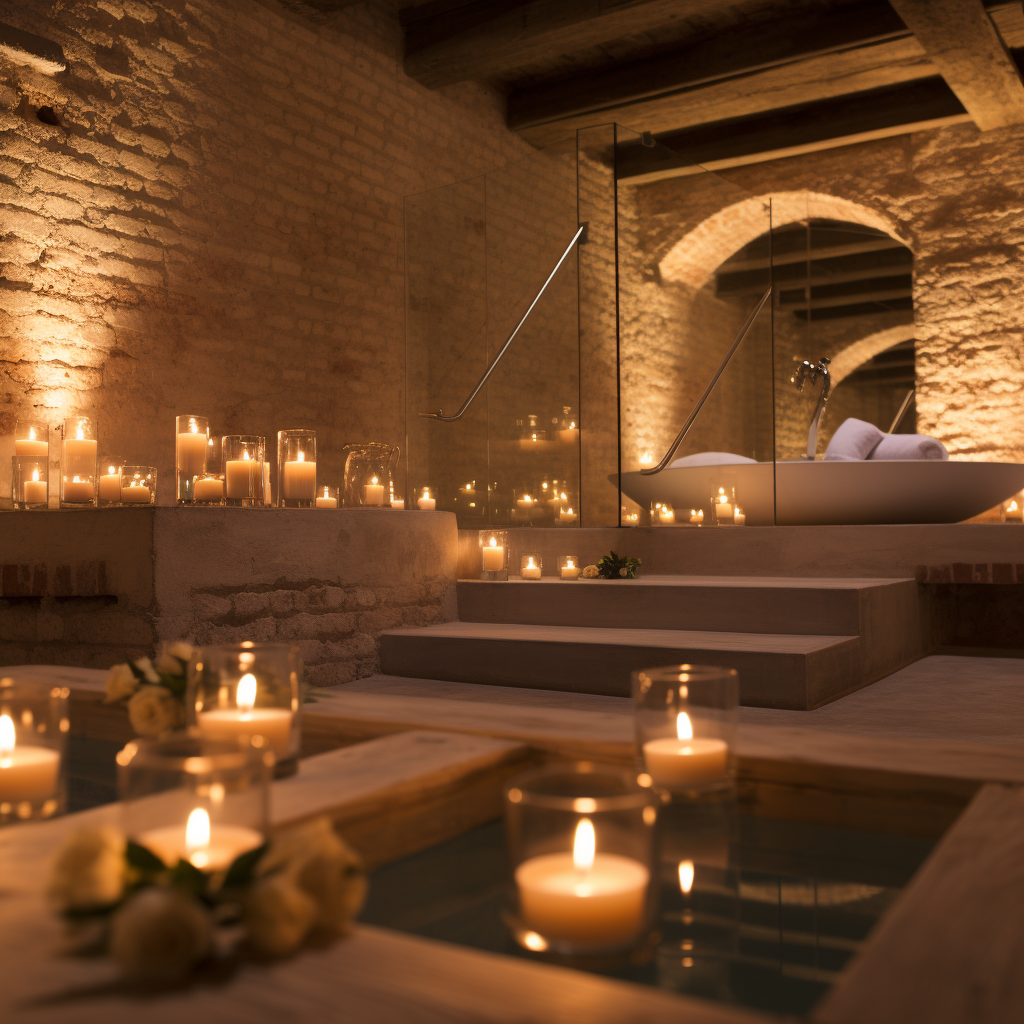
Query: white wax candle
{"type": "Point", "coordinates": [426, 502]}
{"type": "Point", "coordinates": [570, 571]}
{"type": "Point", "coordinates": [31, 447]}
{"type": "Point", "coordinates": [398, 503]}
{"type": "Point", "coordinates": [299, 482]}
{"type": "Point", "coordinates": [569, 435]}
{"type": "Point", "coordinates": [597, 906]}
{"type": "Point", "coordinates": [33, 492]}
{"type": "Point", "coordinates": [226, 842]}
{"type": "Point", "coordinates": [684, 761]}
{"type": "Point", "coordinates": [373, 493]}
{"type": "Point", "coordinates": [110, 485]}
{"type": "Point", "coordinates": [190, 453]}
{"type": "Point", "coordinates": [567, 515]}
{"type": "Point", "coordinates": [524, 504]}
{"type": "Point", "coordinates": [78, 490]}
{"type": "Point", "coordinates": [493, 557]}
{"type": "Point", "coordinates": [273, 724]}
{"type": "Point", "coordinates": [26, 772]}
{"type": "Point", "coordinates": [724, 511]}
{"type": "Point", "coordinates": [79, 457]}
{"type": "Point", "coordinates": [325, 500]}
{"type": "Point", "coordinates": [696, 515]}
{"type": "Point", "coordinates": [208, 489]}
{"type": "Point", "coordinates": [739, 518]}
{"type": "Point", "coordinates": [136, 493]}
{"type": "Point", "coordinates": [240, 476]}
{"type": "Point", "coordinates": [530, 571]}
{"type": "Point", "coordinates": [666, 515]}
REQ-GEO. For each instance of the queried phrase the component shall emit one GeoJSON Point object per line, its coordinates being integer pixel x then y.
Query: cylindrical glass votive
{"type": "Point", "coordinates": [526, 507]}
{"type": "Point", "coordinates": [138, 485]}
{"type": "Point", "coordinates": [296, 468]}
{"type": "Point", "coordinates": [248, 690]}
{"type": "Point", "coordinates": [33, 739]}
{"type": "Point", "coordinates": [78, 462]}
{"type": "Point", "coordinates": [567, 516]}
{"type": "Point", "coordinates": [662, 514]}
{"type": "Point", "coordinates": [493, 555]}
{"type": "Point", "coordinates": [32, 439]}
{"type": "Point", "coordinates": [582, 852]}
{"type": "Point", "coordinates": [29, 486]}
{"type": "Point", "coordinates": [109, 483]}
{"type": "Point", "coordinates": [209, 489]}
{"type": "Point", "coordinates": [192, 437]}
{"type": "Point", "coordinates": [244, 475]}
{"type": "Point", "coordinates": [685, 718]}
{"type": "Point", "coordinates": [327, 497]}
{"type": "Point", "coordinates": [531, 567]}
{"type": "Point", "coordinates": [723, 505]}
{"type": "Point", "coordinates": [187, 798]}
{"type": "Point", "coordinates": [569, 567]}
{"type": "Point", "coordinates": [426, 501]}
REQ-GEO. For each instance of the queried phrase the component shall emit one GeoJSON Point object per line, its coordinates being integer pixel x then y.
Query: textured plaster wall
{"type": "Point", "coordinates": [217, 225]}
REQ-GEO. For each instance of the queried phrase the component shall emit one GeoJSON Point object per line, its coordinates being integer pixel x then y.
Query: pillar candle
{"type": "Point", "coordinates": [79, 457]}
{"type": "Point", "coordinates": [427, 503]}
{"type": "Point", "coordinates": [373, 493]}
{"type": "Point", "coordinates": [110, 485]}
{"type": "Point", "coordinates": [33, 492]}
{"type": "Point", "coordinates": [299, 482]}
{"type": "Point", "coordinates": [26, 772]}
{"type": "Point", "coordinates": [136, 493]}
{"type": "Point", "coordinates": [325, 500]}
{"type": "Point", "coordinates": [207, 847]}
{"type": "Point", "coordinates": [190, 453]}
{"type": "Point", "coordinates": [493, 557]}
{"type": "Point", "coordinates": [31, 447]}
{"type": "Point", "coordinates": [78, 490]}
{"type": "Point", "coordinates": [684, 761]}
{"type": "Point", "coordinates": [209, 489]}
{"type": "Point", "coordinates": [570, 571]}
{"type": "Point", "coordinates": [240, 476]}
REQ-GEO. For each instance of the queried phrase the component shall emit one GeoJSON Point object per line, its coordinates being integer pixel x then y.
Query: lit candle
{"type": "Point", "coordinates": [245, 720]}
{"type": "Point", "coordinates": [569, 434]}
{"type": "Point", "coordinates": [524, 504]}
{"type": "Point", "coordinates": [79, 455]}
{"type": "Point", "coordinates": [685, 761]}
{"type": "Point", "coordinates": [78, 490]}
{"type": "Point", "coordinates": [190, 451]}
{"type": "Point", "coordinates": [207, 847]}
{"type": "Point", "coordinates": [686, 873]}
{"type": "Point", "coordinates": [587, 897]}
{"type": "Point", "coordinates": [398, 502]}
{"type": "Point", "coordinates": [240, 476]}
{"type": "Point", "coordinates": [31, 446]}
{"type": "Point", "coordinates": [567, 515]}
{"type": "Point", "coordinates": [374, 493]}
{"type": "Point", "coordinates": [136, 492]}
{"type": "Point", "coordinates": [530, 571]}
{"type": "Point", "coordinates": [33, 492]}
{"type": "Point", "coordinates": [723, 507]}
{"type": "Point", "coordinates": [666, 514]}
{"type": "Point", "coordinates": [209, 488]}
{"type": "Point", "coordinates": [325, 500]}
{"type": "Point", "coordinates": [697, 515]}
{"type": "Point", "coordinates": [570, 571]}
{"type": "Point", "coordinates": [110, 484]}
{"type": "Point", "coordinates": [493, 556]}
{"type": "Point", "coordinates": [426, 502]}
{"type": "Point", "coordinates": [299, 482]}
{"type": "Point", "coordinates": [739, 517]}
{"type": "Point", "coordinates": [26, 772]}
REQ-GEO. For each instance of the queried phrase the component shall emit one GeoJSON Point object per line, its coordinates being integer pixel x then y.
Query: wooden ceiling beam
{"type": "Point", "coordinates": [961, 40]}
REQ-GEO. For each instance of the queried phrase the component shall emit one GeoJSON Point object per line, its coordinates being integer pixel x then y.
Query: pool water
{"type": "Point", "coordinates": [774, 912]}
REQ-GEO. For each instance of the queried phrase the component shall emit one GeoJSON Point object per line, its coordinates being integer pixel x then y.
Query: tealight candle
{"type": "Point", "coordinates": [209, 488]}
{"type": "Point", "coordinates": [325, 500]}
{"type": "Point", "coordinates": [570, 570]}
{"type": "Point", "coordinates": [426, 502]}
{"type": "Point", "coordinates": [739, 517]}
{"type": "Point", "coordinates": [110, 484]}
{"type": "Point", "coordinates": [697, 516]}
{"type": "Point", "coordinates": [26, 772]}
{"type": "Point", "coordinates": [567, 515]}
{"type": "Point", "coordinates": [524, 504]}
{"type": "Point", "coordinates": [209, 848]}
{"type": "Point", "coordinates": [531, 567]}
{"type": "Point", "coordinates": [685, 761]}
{"type": "Point", "coordinates": [666, 515]}
{"type": "Point", "coordinates": [373, 492]}
{"type": "Point", "coordinates": [135, 492]}
{"type": "Point", "coordinates": [398, 503]}
{"type": "Point", "coordinates": [583, 896]}
{"type": "Point", "coordinates": [299, 482]}
{"type": "Point", "coordinates": [243, 720]}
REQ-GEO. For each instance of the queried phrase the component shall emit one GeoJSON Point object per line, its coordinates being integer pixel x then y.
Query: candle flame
{"type": "Point", "coordinates": [245, 457]}
{"type": "Point", "coordinates": [193, 426]}
{"type": "Point", "coordinates": [81, 433]}
{"type": "Point", "coordinates": [529, 562]}
{"type": "Point", "coordinates": [326, 492]}
{"type": "Point", "coordinates": [35, 475]}
{"type": "Point", "coordinates": [31, 433]}
{"type": "Point", "coordinates": [685, 876]}
{"type": "Point", "coordinates": [570, 510]}
{"type": "Point", "coordinates": [527, 498]}
{"type": "Point", "coordinates": [583, 845]}
{"type": "Point", "coordinates": [197, 837]}
{"type": "Point", "coordinates": [563, 495]}
{"type": "Point", "coordinates": [6, 736]}
{"type": "Point", "coordinates": [570, 564]}
{"type": "Point", "coordinates": [426, 492]}
{"type": "Point", "coordinates": [245, 694]}
{"type": "Point", "coordinates": [373, 481]}
{"type": "Point", "coordinates": [302, 458]}
{"type": "Point", "coordinates": [75, 480]}
{"type": "Point", "coordinates": [494, 542]}
{"type": "Point", "coordinates": [684, 728]}
{"type": "Point", "coordinates": [1012, 507]}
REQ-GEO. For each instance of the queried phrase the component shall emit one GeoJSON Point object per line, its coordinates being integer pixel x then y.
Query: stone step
{"type": "Point", "coordinates": [776, 670]}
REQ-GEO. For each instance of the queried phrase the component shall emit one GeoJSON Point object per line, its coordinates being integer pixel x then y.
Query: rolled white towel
{"type": "Point", "coordinates": [853, 441]}
{"type": "Point", "coordinates": [904, 447]}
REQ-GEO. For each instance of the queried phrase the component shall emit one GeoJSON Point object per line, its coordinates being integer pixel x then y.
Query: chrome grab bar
{"type": "Point", "coordinates": [490, 369]}
{"type": "Point", "coordinates": [707, 392]}
{"type": "Point", "coordinates": [903, 411]}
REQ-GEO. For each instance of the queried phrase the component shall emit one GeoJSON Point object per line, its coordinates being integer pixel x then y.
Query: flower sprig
{"type": "Point", "coordinates": [160, 921]}
{"type": "Point", "coordinates": [614, 567]}
{"type": "Point", "coordinates": [153, 691]}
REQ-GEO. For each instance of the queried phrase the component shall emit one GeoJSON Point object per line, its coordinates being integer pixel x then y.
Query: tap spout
{"type": "Point", "coordinates": [809, 373]}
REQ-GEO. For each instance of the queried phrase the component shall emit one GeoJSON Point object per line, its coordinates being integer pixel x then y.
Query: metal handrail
{"type": "Point", "coordinates": [903, 411]}
{"type": "Point", "coordinates": [714, 380]}
{"type": "Point", "coordinates": [490, 369]}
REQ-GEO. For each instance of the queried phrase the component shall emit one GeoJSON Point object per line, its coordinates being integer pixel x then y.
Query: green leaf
{"type": "Point", "coordinates": [144, 860]}
{"type": "Point", "coordinates": [242, 867]}
{"type": "Point", "coordinates": [185, 875]}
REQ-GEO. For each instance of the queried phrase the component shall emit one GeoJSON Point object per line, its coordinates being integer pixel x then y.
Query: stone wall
{"type": "Point", "coordinates": [216, 225]}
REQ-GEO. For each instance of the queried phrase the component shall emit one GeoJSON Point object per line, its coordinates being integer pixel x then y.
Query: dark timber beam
{"type": "Point", "coordinates": [959, 37]}
{"type": "Point", "coordinates": [483, 39]}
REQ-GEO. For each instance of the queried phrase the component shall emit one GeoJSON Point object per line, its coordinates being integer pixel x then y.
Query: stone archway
{"type": "Point", "coordinates": [860, 351]}
{"type": "Point", "coordinates": [699, 253]}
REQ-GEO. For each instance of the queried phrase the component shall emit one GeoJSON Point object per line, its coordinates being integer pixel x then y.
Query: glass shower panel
{"type": "Point", "coordinates": [695, 265]}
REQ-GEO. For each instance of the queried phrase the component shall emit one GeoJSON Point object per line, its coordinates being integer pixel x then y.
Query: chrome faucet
{"type": "Point", "coordinates": [808, 372]}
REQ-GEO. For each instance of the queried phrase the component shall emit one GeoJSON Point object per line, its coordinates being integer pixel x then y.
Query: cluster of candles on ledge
{"type": "Point", "coordinates": [243, 479]}
{"type": "Point", "coordinates": [494, 560]}
{"type": "Point", "coordinates": [723, 511]}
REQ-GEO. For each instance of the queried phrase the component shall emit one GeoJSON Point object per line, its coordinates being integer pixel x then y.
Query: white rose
{"type": "Point", "coordinates": [121, 683]}
{"type": "Point", "coordinates": [145, 666]}
{"type": "Point", "coordinates": [624, 573]}
{"type": "Point", "coordinates": [168, 665]}
{"type": "Point", "coordinates": [159, 935]}
{"type": "Point", "coordinates": [277, 915]}
{"type": "Point", "coordinates": [590, 572]}
{"type": "Point", "coordinates": [180, 650]}
{"type": "Point", "coordinates": [152, 711]}
{"type": "Point", "coordinates": [89, 870]}
{"type": "Point", "coordinates": [324, 866]}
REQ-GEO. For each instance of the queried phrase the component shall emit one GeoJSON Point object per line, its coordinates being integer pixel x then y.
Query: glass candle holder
{"type": "Point", "coordinates": [32, 439]}
{"type": "Point", "coordinates": [493, 555]}
{"type": "Point", "coordinates": [582, 852]}
{"type": "Point", "coordinates": [427, 501]}
{"type": "Point", "coordinates": [531, 567]}
{"type": "Point", "coordinates": [569, 567]}
{"type": "Point", "coordinates": [108, 485]}
{"type": "Point", "coordinates": [629, 517]}
{"type": "Point", "coordinates": [327, 497]}
{"type": "Point", "coordinates": [29, 485]}
{"type": "Point", "coordinates": [567, 516]}
{"type": "Point", "coordinates": [662, 514]}
{"type": "Point", "coordinates": [723, 504]}
{"type": "Point", "coordinates": [78, 463]}
{"type": "Point", "coordinates": [568, 427]}
{"type": "Point", "coordinates": [187, 798]}
{"type": "Point", "coordinates": [249, 691]}
{"type": "Point", "coordinates": [685, 719]}
{"type": "Point", "coordinates": [138, 485]}
{"type": "Point", "coordinates": [209, 489]}
{"type": "Point", "coordinates": [369, 474]}
{"type": "Point", "coordinates": [244, 472]}
{"type": "Point", "coordinates": [695, 517]}
{"type": "Point", "coordinates": [296, 468]}
{"type": "Point", "coordinates": [526, 508]}
{"type": "Point", "coordinates": [191, 445]}
{"type": "Point", "coordinates": [33, 739]}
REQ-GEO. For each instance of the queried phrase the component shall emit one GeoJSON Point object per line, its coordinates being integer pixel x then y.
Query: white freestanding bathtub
{"type": "Point", "coordinates": [836, 493]}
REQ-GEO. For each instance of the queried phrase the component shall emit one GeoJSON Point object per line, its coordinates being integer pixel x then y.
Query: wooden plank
{"type": "Point", "coordinates": [878, 295]}
{"type": "Point", "coordinates": [959, 37]}
{"type": "Point", "coordinates": [949, 950]}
